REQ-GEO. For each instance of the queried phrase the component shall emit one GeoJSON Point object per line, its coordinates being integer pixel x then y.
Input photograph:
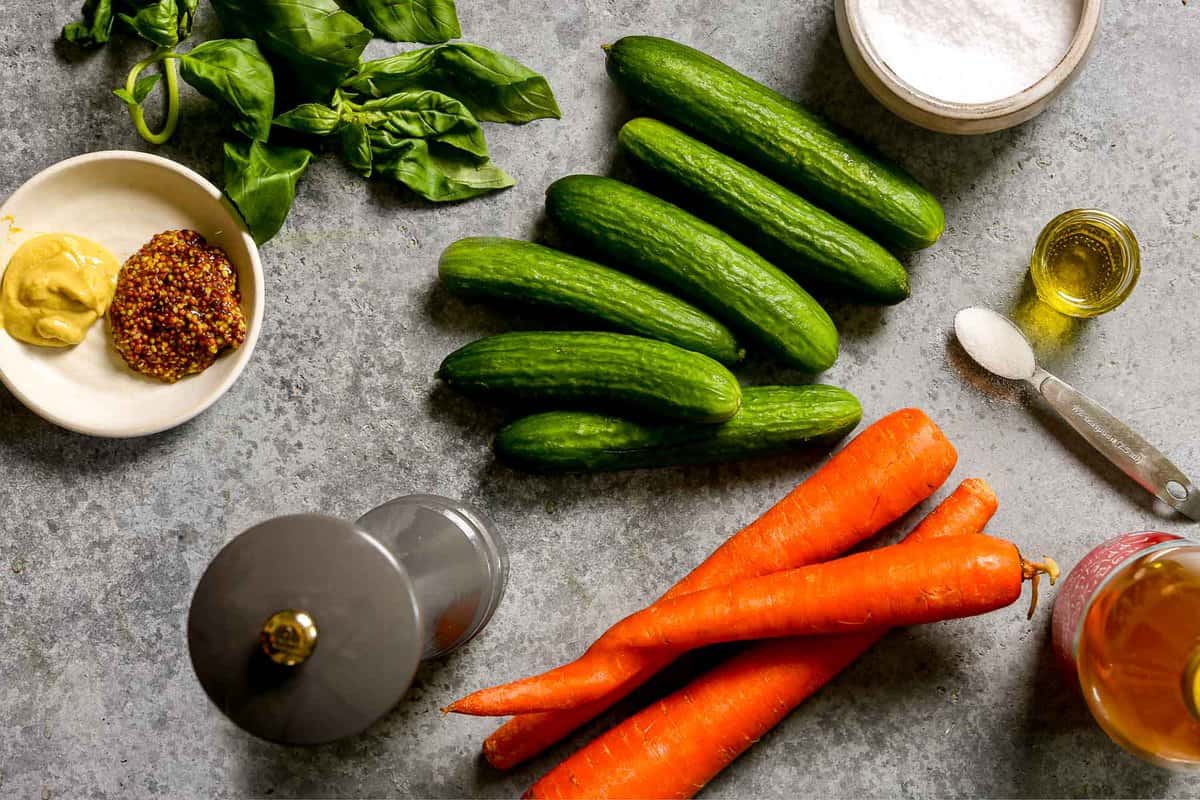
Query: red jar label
{"type": "Point", "coordinates": [1076, 592]}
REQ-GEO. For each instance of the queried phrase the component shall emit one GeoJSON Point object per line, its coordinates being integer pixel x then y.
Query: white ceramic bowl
{"type": "Point", "coordinates": [961, 118]}
{"type": "Point", "coordinates": [121, 199]}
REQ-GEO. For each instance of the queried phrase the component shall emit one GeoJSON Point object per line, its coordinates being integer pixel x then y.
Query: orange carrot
{"type": "Point", "coordinates": [879, 476]}
{"type": "Point", "coordinates": [967, 510]}
{"type": "Point", "coordinates": [905, 584]}
{"type": "Point", "coordinates": [883, 472]}
{"type": "Point", "coordinates": [607, 665]}
{"type": "Point", "coordinates": [676, 746]}
{"type": "Point", "coordinates": [526, 735]}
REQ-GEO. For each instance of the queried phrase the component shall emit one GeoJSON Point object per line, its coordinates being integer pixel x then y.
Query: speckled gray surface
{"type": "Point", "coordinates": [102, 542]}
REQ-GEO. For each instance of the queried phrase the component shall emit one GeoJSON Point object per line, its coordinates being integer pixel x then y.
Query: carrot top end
{"type": "Point", "coordinates": [1032, 571]}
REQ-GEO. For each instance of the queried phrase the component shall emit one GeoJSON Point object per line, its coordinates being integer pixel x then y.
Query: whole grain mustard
{"type": "Point", "coordinates": [177, 307]}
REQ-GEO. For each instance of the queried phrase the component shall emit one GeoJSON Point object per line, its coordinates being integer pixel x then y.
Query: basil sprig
{"type": "Point", "coordinates": [164, 22]}
{"type": "Point", "coordinates": [426, 140]}
{"type": "Point", "coordinates": [495, 87]}
{"type": "Point", "coordinates": [413, 118]}
{"type": "Point", "coordinates": [231, 72]}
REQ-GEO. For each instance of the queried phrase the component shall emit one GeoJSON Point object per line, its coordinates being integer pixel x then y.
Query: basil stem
{"type": "Point", "coordinates": [166, 57]}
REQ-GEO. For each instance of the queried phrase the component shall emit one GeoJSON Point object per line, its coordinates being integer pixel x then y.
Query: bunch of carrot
{"type": "Point", "coordinates": [780, 579]}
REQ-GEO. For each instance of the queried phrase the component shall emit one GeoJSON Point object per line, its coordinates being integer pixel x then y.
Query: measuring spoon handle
{"type": "Point", "coordinates": [1136, 457]}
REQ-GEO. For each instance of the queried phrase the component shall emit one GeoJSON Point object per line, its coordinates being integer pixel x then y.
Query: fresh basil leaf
{"type": "Point", "coordinates": [314, 118]}
{"type": "Point", "coordinates": [427, 21]}
{"type": "Point", "coordinates": [440, 175]}
{"type": "Point", "coordinates": [157, 23]}
{"type": "Point", "coordinates": [164, 22]}
{"type": "Point", "coordinates": [397, 73]}
{"type": "Point", "coordinates": [356, 149]}
{"type": "Point", "coordinates": [94, 26]}
{"type": "Point", "coordinates": [144, 85]}
{"type": "Point", "coordinates": [142, 88]}
{"type": "Point", "coordinates": [234, 73]}
{"type": "Point", "coordinates": [421, 115]}
{"type": "Point", "coordinates": [260, 181]}
{"type": "Point", "coordinates": [319, 42]}
{"type": "Point", "coordinates": [493, 86]}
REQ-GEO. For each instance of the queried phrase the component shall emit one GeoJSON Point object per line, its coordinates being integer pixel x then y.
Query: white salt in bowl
{"type": "Point", "coordinates": [945, 116]}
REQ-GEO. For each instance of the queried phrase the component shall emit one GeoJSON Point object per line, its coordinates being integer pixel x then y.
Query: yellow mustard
{"type": "Point", "coordinates": [55, 287]}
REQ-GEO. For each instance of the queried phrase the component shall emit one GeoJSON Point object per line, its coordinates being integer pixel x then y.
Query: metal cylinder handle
{"type": "Point", "coordinates": [454, 559]}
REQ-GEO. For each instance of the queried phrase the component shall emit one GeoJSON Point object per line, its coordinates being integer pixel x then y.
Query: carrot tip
{"type": "Point", "coordinates": [1032, 571]}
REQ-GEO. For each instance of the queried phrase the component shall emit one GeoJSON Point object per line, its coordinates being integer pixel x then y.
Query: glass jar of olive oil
{"type": "Point", "coordinates": [1085, 263]}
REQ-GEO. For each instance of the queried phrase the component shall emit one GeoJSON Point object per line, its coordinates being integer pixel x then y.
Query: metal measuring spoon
{"type": "Point", "coordinates": [999, 346]}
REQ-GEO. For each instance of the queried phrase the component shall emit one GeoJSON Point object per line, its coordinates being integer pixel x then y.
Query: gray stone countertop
{"type": "Point", "coordinates": [102, 542]}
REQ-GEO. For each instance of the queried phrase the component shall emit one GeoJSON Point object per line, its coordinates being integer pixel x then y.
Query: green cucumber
{"type": "Point", "coordinates": [813, 246]}
{"type": "Point", "coordinates": [777, 136]}
{"type": "Point", "coordinates": [511, 270]}
{"type": "Point", "coordinates": [607, 370]}
{"type": "Point", "coordinates": [705, 265]}
{"type": "Point", "coordinates": [773, 419]}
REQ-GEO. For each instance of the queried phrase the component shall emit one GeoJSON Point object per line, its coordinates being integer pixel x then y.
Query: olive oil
{"type": "Point", "coordinates": [1085, 263]}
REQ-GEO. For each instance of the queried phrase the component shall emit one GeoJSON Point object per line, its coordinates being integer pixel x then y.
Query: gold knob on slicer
{"type": "Point", "coordinates": [289, 637]}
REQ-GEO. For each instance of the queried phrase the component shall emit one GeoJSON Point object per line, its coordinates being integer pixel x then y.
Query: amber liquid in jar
{"type": "Point", "coordinates": [1139, 656]}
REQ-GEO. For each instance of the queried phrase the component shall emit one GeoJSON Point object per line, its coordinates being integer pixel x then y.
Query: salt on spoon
{"type": "Point", "coordinates": [997, 345]}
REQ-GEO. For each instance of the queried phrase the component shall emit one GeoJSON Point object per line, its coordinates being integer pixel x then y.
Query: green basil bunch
{"type": "Point", "coordinates": [412, 117]}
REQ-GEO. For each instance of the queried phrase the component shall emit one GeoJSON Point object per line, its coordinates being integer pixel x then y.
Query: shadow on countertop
{"type": "Point", "coordinates": [26, 438]}
{"type": "Point", "coordinates": [1061, 744]}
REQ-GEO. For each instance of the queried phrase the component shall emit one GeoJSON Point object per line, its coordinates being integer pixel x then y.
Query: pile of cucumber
{"type": "Point", "coordinates": [683, 288]}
